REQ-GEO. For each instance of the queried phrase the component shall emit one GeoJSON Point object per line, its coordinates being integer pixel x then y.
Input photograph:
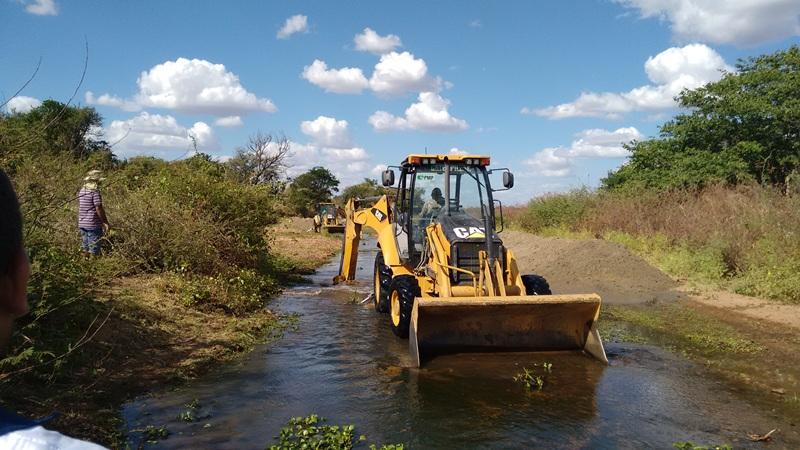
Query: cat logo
{"type": "Point", "coordinates": [469, 233]}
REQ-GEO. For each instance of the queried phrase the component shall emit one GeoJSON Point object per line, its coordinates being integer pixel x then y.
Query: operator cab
{"type": "Point", "coordinates": [453, 190]}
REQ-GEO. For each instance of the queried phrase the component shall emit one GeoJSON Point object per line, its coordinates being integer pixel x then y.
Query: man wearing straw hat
{"type": "Point", "coordinates": [92, 221]}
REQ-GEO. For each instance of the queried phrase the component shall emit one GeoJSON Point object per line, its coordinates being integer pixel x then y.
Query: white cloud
{"type": "Point", "coordinates": [378, 170]}
{"type": "Point", "coordinates": [395, 74]}
{"type": "Point", "coordinates": [42, 7]}
{"type": "Point", "coordinates": [327, 132]}
{"type": "Point", "coordinates": [591, 143]}
{"type": "Point", "coordinates": [349, 165]}
{"type": "Point", "coordinates": [738, 22]}
{"type": "Point", "coordinates": [370, 41]}
{"type": "Point", "coordinates": [476, 24]}
{"type": "Point", "coordinates": [155, 134]}
{"type": "Point", "coordinates": [428, 114]}
{"type": "Point", "coordinates": [550, 163]}
{"type": "Point", "coordinates": [346, 154]}
{"type": "Point", "coordinates": [399, 73]}
{"type": "Point", "coordinates": [384, 121]}
{"type": "Point", "coordinates": [295, 24]}
{"type": "Point", "coordinates": [599, 143]}
{"type": "Point", "coordinates": [347, 80]}
{"type": "Point", "coordinates": [330, 147]}
{"type": "Point", "coordinates": [229, 122]}
{"type": "Point", "coordinates": [191, 86]}
{"type": "Point", "coordinates": [671, 71]}
{"type": "Point", "coordinates": [21, 104]}
{"type": "Point", "coordinates": [457, 151]}
{"type": "Point", "coordinates": [111, 100]}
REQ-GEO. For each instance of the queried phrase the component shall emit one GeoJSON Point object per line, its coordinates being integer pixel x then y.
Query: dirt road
{"type": "Point", "coordinates": [621, 277]}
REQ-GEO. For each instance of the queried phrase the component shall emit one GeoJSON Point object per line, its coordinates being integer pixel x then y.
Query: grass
{"type": "Point", "coordinates": [757, 359]}
{"type": "Point", "coordinates": [677, 327]}
{"type": "Point", "coordinates": [744, 239]}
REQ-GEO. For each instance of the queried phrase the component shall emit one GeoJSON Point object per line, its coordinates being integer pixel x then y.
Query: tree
{"type": "Point", "coordinates": [367, 188]}
{"type": "Point", "coordinates": [745, 126]}
{"type": "Point", "coordinates": [52, 127]}
{"type": "Point", "coordinates": [262, 160]}
{"type": "Point", "coordinates": [315, 186]}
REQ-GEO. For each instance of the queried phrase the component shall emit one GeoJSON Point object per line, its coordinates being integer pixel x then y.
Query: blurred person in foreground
{"type": "Point", "coordinates": [92, 221]}
{"type": "Point", "coordinates": [16, 432]}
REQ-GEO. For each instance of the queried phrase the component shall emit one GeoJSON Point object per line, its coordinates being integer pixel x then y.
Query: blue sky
{"type": "Point", "coordinates": [550, 89]}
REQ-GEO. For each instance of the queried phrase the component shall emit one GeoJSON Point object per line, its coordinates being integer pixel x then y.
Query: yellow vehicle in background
{"type": "Point", "coordinates": [444, 275]}
{"type": "Point", "coordinates": [329, 218]}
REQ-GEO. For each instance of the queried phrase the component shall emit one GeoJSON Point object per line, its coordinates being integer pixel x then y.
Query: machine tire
{"type": "Point", "coordinates": [404, 289]}
{"type": "Point", "coordinates": [382, 284]}
{"type": "Point", "coordinates": [536, 285]}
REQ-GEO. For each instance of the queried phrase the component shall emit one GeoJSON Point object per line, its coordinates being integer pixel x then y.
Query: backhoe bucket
{"type": "Point", "coordinates": [511, 323]}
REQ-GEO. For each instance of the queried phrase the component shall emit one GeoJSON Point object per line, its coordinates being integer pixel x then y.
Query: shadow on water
{"type": "Point", "coordinates": [344, 364]}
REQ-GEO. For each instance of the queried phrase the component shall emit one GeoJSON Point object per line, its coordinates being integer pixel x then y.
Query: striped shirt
{"type": "Point", "coordinates": [88, 201]}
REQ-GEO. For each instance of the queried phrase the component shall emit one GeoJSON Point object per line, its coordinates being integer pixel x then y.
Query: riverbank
{"type": "Point", "coordinates": [146, 337]}
{"type": "Point", "coordinates": [746, 342]}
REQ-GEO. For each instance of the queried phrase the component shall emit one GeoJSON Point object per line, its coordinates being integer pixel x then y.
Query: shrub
{"type": "Point", "coordinates": [556, 210]}
{"type": "Point", "coordinates": [745, 235]}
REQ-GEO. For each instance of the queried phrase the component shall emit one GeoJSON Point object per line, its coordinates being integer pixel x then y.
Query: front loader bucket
{"type": "Point", "coordinates": [529, 323]}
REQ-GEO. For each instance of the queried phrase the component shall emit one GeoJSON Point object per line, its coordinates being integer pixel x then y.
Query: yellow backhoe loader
{"type": "Point", "coordinates": [330, 218]}
{"type": "Point", "coordinates": [443, 274]}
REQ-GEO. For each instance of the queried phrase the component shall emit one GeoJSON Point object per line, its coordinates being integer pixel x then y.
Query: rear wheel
{"type": "Point", "coordinates": [382, 284]}
{"type": "Point", "coordinates": [536, 285]}
{"type": "Point", "coordinates": [404, 289]}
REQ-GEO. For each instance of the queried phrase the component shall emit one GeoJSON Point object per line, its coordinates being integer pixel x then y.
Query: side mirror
{"type": "Point", "coordinates": [387, 177]}
{"type": "Point", "coordinates": [508, 180]}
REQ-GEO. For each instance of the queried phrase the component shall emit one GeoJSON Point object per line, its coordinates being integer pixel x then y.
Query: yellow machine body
{"type": "Point", "coordinates": [331, 218]}
{"type": "Point", "coordinates": [490, 312]}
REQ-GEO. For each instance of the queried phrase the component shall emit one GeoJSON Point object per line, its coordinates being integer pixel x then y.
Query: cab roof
{"type": "Point", "coordinates": [417, 159]}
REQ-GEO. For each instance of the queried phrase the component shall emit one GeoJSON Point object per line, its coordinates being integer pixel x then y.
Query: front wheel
{"type": "Point", "coordinates": [536, 285]}
{"type": "Point", "coordinates": [382, 284]}
{"type": "Point", "coordinates": [404, 289]}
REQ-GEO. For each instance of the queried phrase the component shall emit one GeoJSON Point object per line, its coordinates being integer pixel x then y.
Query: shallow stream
{"type": "Point", "coordinates": [343, 363]}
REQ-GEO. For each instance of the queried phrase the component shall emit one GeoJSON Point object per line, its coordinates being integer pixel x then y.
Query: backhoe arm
{"type": "Point", "coordinates": [378, 218]}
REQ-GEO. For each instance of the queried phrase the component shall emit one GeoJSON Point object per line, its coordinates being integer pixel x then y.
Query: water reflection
{"type": "Point", "coordinates": [344, 363]}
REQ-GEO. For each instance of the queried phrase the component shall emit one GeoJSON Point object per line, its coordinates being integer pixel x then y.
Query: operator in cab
{"type": "Point", "coordinates": [434, 204]}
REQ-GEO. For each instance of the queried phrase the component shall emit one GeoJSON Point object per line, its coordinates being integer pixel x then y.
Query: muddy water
{"type": "Point", "coordinates": [344, 364]}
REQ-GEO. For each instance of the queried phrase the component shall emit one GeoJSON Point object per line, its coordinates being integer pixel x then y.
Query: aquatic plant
{"type": "Point", "coordinates": [688, 445]}
{"type": "Point", "coordinates": [530, 379]}
{"type": "Point", "coordinates": [309, 433]}
{"type": "Point", "coordinates": [153, 434]}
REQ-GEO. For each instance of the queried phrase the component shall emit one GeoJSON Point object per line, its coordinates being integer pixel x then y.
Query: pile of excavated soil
{"type": "Point", "coordinates": [581, 266]}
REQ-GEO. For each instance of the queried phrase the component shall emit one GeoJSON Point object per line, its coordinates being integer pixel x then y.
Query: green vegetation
{"type": "Point", "coordinates": [534, 378]}
{"type": "Point", "coordinates": [743, 127]}
{"type": "Point", "coordinates": [716, 198]}
{"type": "Point", "coordinates": [309, 433]}
{"type": "Point", "coordinates": [196, 230]}
{"type": "Point", "coordinates": [190, 413]}
{"type": "Point", "coordinates": [365, 189]}
{"type": "Point", "coordinates": [677, 327]}
{"type": "Point", "coordinates": [742, 238]}
{"type": "Point", "coordinates": [686, 445]}
{"type": "Point", "coordinates": [152, 434]}
{"type": "Point", "coordinates": [315, 186]}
